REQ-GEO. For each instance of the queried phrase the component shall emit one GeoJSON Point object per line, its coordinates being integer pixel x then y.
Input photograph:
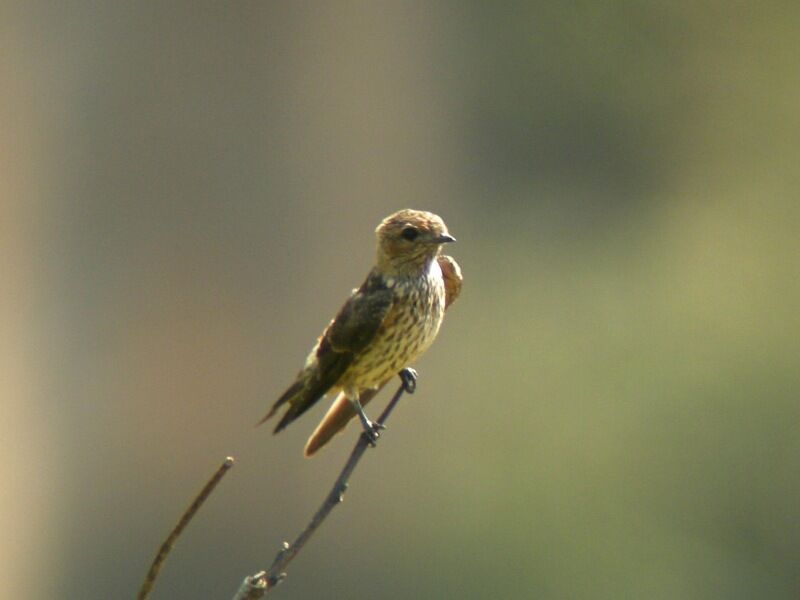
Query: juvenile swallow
{"type": "Point", "coordinates": [384, 326]}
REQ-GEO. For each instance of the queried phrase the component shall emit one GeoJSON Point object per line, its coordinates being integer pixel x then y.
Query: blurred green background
{"type": "Point", "coordinates": [189, 192]}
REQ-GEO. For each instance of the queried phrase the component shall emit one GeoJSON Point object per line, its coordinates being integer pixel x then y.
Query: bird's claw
{"type": "Point", "coordinates": [372, 431]}
{"type": "Point", "coordinates": [409, 378]}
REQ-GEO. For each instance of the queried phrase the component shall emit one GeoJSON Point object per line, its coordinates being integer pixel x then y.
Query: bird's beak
{"type": "Point", "coordinates": [443, 239]}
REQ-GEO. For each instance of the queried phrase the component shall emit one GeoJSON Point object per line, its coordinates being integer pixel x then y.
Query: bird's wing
{"type": "Point", "coordinates": [341, 411]}
{"type": "Point", "coordinates": [451, 273]}
{"type": "Point", "coordinates": [347, 335]}
{"type": "Point", "coordinates": [358, 321]}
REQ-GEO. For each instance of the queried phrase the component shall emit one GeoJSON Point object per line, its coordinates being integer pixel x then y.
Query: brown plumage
{"type": "Point", "coordinates": [341, 411]}
{"type": "Point", "coordinates": [384, 326]}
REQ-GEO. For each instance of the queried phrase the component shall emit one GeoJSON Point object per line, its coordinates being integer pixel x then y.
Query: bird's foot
{"type": "Point", "coordinates": [409, 378]}
{"type": "Point", "coordinates": [372, 431]}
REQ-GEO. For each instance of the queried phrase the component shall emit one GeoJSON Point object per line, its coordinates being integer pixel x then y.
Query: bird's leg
{"type": "Point", "coordinates": [371, 430]}
{"type": "Point", "coordinates": [409, 378]}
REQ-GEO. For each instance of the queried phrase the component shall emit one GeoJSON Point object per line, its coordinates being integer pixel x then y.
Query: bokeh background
{"type": "Point", "coordinates": [189, 192]}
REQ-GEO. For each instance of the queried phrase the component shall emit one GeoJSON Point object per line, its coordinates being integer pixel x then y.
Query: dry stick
{"type": "Point", "coordinates": [166, 547]}
{"type": "Point", "coordinates": [255, 586]}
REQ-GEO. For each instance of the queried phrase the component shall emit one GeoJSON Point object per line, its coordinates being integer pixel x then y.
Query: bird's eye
{"type": "Point", "coordinates": [410, 233]}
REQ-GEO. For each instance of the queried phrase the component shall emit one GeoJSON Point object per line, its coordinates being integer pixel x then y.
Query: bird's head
{"type": "Point", "coordinates": [409, 239]}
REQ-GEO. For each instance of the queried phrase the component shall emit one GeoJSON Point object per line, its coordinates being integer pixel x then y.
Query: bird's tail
{"type": "Point", "coordinates": [335, 420]}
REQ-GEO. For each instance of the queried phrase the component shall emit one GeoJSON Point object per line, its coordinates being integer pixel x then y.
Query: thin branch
{"type": "Point", "coordinates": [166, 547]}
{"type": "Point", "coordinates": [259, 584]}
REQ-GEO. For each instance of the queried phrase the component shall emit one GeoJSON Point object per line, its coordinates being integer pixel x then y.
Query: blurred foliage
{"type": "Point", "coordinates": [612, 407]}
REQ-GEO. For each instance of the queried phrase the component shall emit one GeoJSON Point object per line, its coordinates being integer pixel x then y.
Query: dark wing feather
{"type": "Point", "coordinates": [360, 318]}
{"type": "Point", "coordinates": [348, 334]}
{"type": "Point", "coordinates": [309, 388]}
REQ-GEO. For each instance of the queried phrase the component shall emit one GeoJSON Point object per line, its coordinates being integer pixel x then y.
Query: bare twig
{"type": "Point", "coordinates": [166, 547]}
{"type": "Point", "coordinates": [259, 584]}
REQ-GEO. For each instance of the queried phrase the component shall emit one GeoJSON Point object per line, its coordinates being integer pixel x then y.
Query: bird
{"type": "Point", "coordinates": [383, 327]}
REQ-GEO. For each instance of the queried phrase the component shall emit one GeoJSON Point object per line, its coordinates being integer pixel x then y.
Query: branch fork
{"type": "Point", "coordinates": [260, 583]}
{"type": "Point", "coordinates": [257, 585]}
